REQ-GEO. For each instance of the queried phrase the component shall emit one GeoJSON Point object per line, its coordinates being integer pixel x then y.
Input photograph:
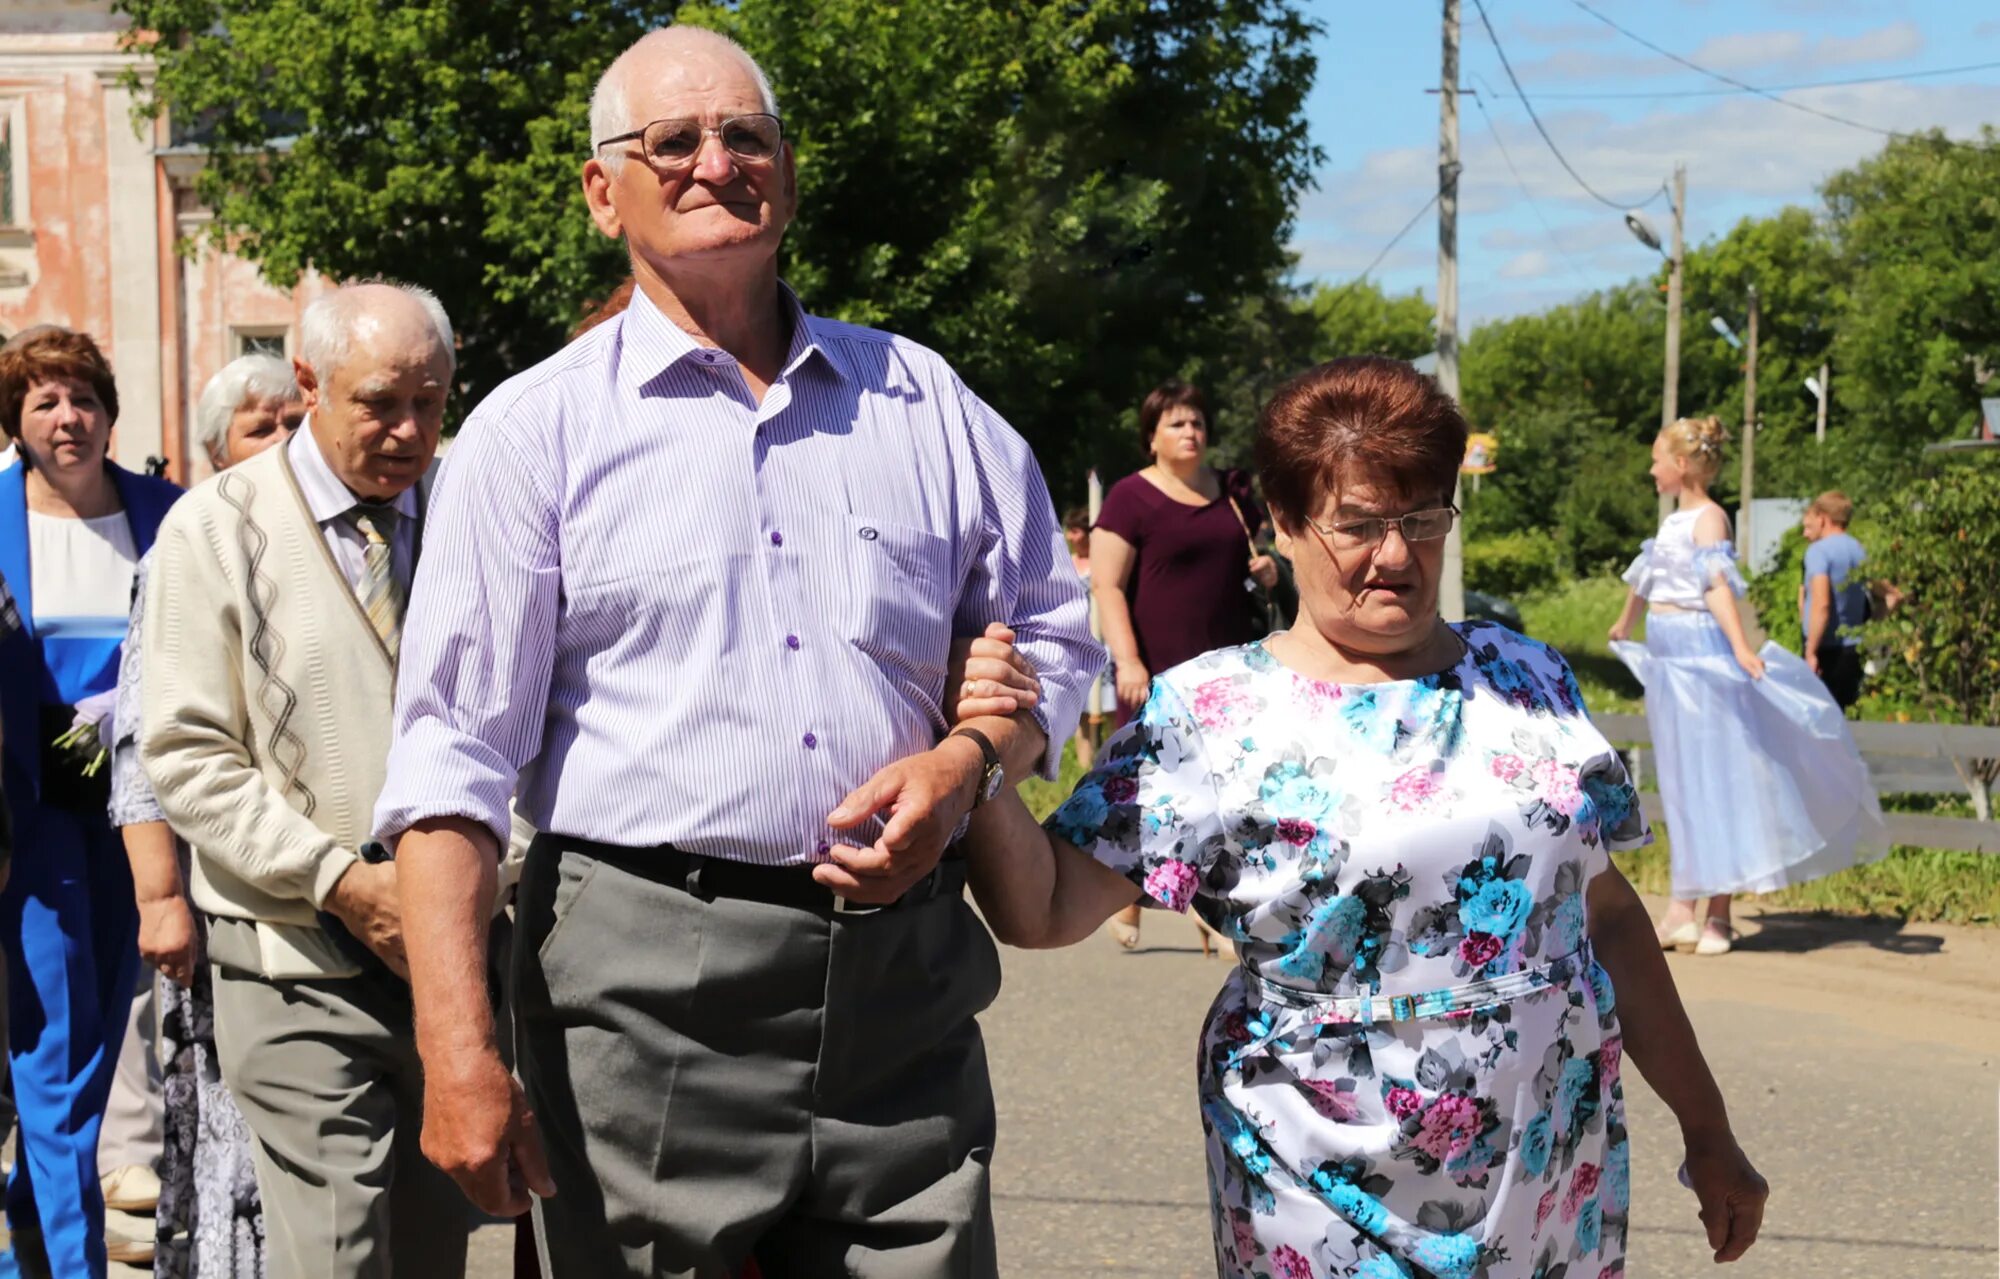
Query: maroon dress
{"type": "Point", "coordinates": [1186, 591]}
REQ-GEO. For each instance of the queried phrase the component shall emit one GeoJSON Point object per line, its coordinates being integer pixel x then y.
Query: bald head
{"type": "Point", "coordinates": [615, 105]}
{"type": "Point", "coordinates": [373, 314]}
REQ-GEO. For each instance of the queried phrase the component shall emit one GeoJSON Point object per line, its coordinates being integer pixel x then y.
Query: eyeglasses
{"type": "Point", "coordinates": [1417, 526]}
{"type": "Point", "coordinates": [672, 145]}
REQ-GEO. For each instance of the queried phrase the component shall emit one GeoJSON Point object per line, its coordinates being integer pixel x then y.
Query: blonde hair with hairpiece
{"type": "Point", "coordinates": [1698, 441]}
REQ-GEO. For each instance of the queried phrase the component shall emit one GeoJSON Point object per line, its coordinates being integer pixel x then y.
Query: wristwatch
{"type": "Point", "coordinates": [994, 775]}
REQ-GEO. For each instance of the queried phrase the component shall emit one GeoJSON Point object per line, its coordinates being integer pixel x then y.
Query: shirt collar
{"type": "Point", "coordinates": [326, 497]}
{"type": "Point", "coordinates": [652, 344]}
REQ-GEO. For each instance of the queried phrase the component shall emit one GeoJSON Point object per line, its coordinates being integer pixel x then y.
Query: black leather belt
{"type": "Point", "coordinates": [711, 877]}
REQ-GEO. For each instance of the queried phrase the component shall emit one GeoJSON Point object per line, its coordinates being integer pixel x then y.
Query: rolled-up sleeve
{"type": "Point", "coordinates": [478, 643]}
{"type": "Point", "coordinates": [1021, 575]}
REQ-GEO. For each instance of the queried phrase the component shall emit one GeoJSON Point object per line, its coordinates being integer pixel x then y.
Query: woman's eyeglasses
{"type": "Point", "coordinates": [1417, 526]}
{"type": "Point", "coordinates": [672, 145]}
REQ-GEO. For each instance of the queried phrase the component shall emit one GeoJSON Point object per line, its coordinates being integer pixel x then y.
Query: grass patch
{"type": "Point", "coordinates": [1042, 797]}
{"type": "Point", "coordinates": [1916, 885]}
{"type": "Point", "coordinates": [1574, 617]}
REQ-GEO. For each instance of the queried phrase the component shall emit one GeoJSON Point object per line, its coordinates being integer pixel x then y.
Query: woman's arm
{"type": "Point", "coordinates": [1111, 562]}
{"type": "Point", "coordinates": [1037, 891]}
{"type": "Point", "coordinates": [1661, 1042]}
{"type": "Point", "coordinates": [1711, 529]}
{"type": "Point", "coordinates": [167, 938]}
{"type": "Point", "coordinates": [1628, 616]}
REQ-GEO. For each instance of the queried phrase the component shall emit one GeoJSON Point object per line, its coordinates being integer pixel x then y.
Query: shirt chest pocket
{"type": "Point", "coordinates": [901, 596]}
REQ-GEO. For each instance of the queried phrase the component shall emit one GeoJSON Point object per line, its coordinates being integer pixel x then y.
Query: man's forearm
{"type": "Point", "coordinates": [447, 873]}
{"type": "Point", "coordinates": [1822, 619]}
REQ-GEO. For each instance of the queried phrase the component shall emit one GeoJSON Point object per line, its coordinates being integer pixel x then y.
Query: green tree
{"type": "Point", "coordinates": [1918, 227]}
{"type": "Point", "coordinates": [1071, 199]}
{"type": "Point", "coordinates": [1938, 545]}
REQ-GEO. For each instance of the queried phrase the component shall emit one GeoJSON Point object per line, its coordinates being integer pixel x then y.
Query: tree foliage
{"type": "Point", "coordinates": [1939, 544]}
{"type": "Point", "coordinates": [1071, 199]}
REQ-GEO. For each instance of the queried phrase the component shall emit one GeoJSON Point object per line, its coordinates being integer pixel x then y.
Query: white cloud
{"type": "Point", "coordinates": [1743, 50]}
{"type": "Point", "coordinates": [1531, 265]}
{"type": "Point", "coordinates": [1884, 44]}
{"type": "Point", "coordinates": [1562, 32]}
{"type": "Point", "coordinates": [1987, 30]}
{"type": "Point", "coordinates": [1586, 66]}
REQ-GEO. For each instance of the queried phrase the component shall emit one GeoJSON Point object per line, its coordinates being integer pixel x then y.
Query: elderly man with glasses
{"type": "Point", "coordinates": [692, 587]}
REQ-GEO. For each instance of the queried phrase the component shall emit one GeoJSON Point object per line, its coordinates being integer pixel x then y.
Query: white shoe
{"type": "Point", "coordinates": [133, 1188]}
{"type": "Point", "coordinates": [1717, 938]}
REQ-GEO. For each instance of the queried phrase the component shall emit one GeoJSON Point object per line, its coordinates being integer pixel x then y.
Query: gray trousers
{"type": "Point", "coordinates": [135, 1117]}
{"type": "Point", "coordinates": [326, 1074]}
{"type": "Point", "coordinates": [717, 1079]}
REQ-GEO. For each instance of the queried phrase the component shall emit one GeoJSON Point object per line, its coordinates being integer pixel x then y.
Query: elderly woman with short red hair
{"type": "Point", "coordinates": [72, 526]}
{"type": "Point", "coordinates": [1405, 827]}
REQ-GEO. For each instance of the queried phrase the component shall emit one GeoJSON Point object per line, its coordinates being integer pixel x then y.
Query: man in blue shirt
{"type": "Point", "coordinates": [1833, 600]}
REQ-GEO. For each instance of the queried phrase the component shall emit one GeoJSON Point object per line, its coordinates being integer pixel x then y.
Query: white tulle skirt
{"type": "Point", "coordinates": [1760, 779]}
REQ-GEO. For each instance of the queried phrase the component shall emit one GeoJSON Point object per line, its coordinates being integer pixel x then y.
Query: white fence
{"type": "Point", "coordinates": [1901, 758]}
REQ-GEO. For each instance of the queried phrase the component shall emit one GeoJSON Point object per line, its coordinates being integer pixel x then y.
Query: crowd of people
{"type": "Point", "coordinates": [538, 836]}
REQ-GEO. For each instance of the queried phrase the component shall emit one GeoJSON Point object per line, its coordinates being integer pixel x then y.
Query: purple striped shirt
{"type": "Point", "coordinates": [671, 615]}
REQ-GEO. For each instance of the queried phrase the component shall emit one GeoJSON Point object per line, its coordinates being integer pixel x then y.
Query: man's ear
{"type": "Point", "coordinates": [597, 179]}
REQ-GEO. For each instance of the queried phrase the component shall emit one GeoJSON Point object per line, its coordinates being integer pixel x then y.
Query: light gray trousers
{"type": "Point", "coordinates": [717, 1079]}
{"type": "Point", "coordinates": [326, 1074]}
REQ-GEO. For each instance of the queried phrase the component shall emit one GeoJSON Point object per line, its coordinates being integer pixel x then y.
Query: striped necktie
{"type": "Point", "coordinates": [380, 593]}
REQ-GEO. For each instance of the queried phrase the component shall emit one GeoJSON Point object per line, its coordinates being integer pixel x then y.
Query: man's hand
{"type": "Point", "coordinates": [924, 796]}
{"type": "Point", "coordinates": [1264, 571]}
{"type": "Point", "coordinates": [167, 938]}
{"type": "Point", "coordinates": [365, 900]}
{"type": "Point", "coordinates": [1812, 659]}
{"type": "Point", "coordinates": [479, 1130]}
{"type": "Point", "coordinates": [988, 676]}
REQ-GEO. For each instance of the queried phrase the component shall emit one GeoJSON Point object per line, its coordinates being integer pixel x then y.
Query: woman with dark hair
{"type": "Point", "coordinates": [1173, 559]}
{"type": "Point", "coordinates": [72, 526]}
{"type": "Point", "coordinates": [1405, 826]}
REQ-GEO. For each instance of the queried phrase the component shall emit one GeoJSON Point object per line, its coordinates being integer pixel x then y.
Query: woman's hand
{"type": "Point", "coordinates": [987, 677]}
{"type": "Point", "coordinates": [1731, 1193]}
{"type": "Point", "coordinates": [1752, 665]}
{"type": "Point", "coordinates": [1264, 570]}
{"type": "Point", "coordinates": [1621, 630]}
{"type": "Point", "coordinates": [1134, 683]}
{"type": "Point", "coordinates": [167, 938]}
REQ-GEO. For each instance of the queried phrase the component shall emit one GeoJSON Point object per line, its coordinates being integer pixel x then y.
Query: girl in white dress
{"type": "Point", "coordinates": [1759, 776]}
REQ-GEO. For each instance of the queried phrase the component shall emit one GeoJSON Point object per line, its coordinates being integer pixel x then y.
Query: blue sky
{"type": "Point", "coordinates": [1746, 156]}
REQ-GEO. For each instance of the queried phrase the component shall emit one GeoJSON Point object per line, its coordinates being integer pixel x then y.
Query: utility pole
{"type": "Point", "coordinates": [1749, 434]}
{"type": "Point", "coordinates": [1825, 394]}
{"type": "Point", "coordinates": [1451, 590]}
{"type": "Point", "coordinates": [1670, 392]}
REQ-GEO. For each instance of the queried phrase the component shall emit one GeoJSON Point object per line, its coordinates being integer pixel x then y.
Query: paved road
{"type": "Point", "coordinates": [1858, 1058]}
{"type": "Point", "coordinates": [1859, 1062]}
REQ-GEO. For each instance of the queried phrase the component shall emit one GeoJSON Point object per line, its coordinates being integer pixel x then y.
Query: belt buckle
{"type": "Point", "coordinates": [842, 906]}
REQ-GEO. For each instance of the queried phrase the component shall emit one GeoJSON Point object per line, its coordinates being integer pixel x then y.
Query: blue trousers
{"type": "Point", "coordinates": [70, 926]}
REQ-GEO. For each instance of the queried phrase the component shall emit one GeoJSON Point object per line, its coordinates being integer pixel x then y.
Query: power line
{"type": "Point", "coordinates": [1635, 37]}
{"type": "Point", "coordinates": [1396, 239]}
{"type": "Point", "coordinates": [1775, 88]}
{"type": "Point", "coordinates": [1542, 129]}
{"type": "Point", "coordinates": [1521, 182]}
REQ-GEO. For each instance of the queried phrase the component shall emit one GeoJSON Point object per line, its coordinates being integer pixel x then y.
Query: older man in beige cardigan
{"type": "Point", "coordinates": [278, 592]}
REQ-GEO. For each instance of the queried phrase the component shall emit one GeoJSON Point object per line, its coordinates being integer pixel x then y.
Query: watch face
{"type": "Point", "coordinates": [989, 786]}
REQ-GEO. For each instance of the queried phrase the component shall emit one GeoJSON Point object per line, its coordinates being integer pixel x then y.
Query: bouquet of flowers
{"type": "Point", "coordinates": [88, 741]}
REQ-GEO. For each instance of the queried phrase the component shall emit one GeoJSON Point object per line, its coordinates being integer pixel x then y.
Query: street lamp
{"type": "Point", "coordinates": [1721, 326]}
{"type": "Point", "coordinates": [1820, 387]}
{"type": "Point", "coordinates": [1637, 224]}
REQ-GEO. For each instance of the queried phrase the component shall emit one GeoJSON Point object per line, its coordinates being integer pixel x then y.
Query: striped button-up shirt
{"type": "Point", "coordinates": [670, 614]}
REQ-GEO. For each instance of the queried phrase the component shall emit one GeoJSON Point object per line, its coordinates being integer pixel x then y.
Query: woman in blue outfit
{"type": "Point", "coordinates": [1760, 778]}
{"type": "Point", "coordinates": [72, 526]}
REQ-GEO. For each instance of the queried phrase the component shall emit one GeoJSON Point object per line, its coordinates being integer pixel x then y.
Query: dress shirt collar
{"type": "Point", "coordinates": [326, 497]}
{"type": "Point", "coordinates": [652, 344]}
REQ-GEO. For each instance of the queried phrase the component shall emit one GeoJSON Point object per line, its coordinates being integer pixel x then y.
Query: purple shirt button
{"type": "Point", "coordinates": [777, 539]}
{"type": "Point", "coordinates": [825, 849]}
{"type": "Point", "coordinates": [812, 741]}
{"type": "Point", "coordinates": [792, 642]}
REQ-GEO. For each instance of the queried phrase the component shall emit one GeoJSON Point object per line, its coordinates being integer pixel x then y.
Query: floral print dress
{"type": "Point", "coordinates": [1413, 1072]}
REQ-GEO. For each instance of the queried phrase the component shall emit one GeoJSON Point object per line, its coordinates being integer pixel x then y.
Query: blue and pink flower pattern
{"type": "Point", "coordinates": [1389, 839]}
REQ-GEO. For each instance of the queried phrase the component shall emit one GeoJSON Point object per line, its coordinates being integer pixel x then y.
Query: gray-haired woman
{"type": "Point", "coordinates": [206, 1221]}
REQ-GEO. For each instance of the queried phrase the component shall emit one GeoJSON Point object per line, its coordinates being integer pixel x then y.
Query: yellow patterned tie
{"type": "Point", "coordinates": [381, 594]}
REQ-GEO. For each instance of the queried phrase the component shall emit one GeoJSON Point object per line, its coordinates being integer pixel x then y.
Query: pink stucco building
{"type": "Point", "coordinates": [93, 210]}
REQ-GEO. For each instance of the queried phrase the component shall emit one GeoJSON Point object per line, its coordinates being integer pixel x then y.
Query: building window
{"type": "Point", "coordinates": [260, 342]}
